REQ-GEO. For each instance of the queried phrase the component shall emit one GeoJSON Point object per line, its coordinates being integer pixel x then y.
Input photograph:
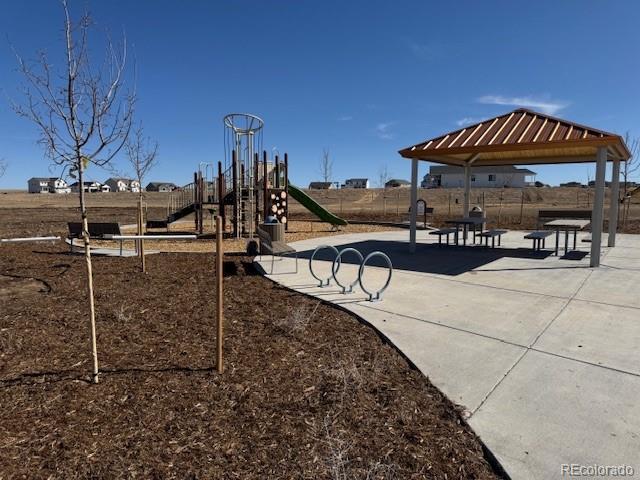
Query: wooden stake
{"type": "Point", "coordinates": [219, 294]}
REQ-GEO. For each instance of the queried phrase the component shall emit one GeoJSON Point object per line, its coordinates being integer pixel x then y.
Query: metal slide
{"type": "Point", "coordinates": [314, 207]}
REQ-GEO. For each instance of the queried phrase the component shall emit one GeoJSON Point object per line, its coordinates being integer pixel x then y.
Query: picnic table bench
{"type": "Point", "coordinates": [492, 234]}
{"type": "Point", "coordinates": [444, 231]}
{"type": "Point", "coordinates": [97, 231]}
{"type": "Point", "coordinates": [539, 238]}
{"type": "Point", "coordinates": [275, 248]}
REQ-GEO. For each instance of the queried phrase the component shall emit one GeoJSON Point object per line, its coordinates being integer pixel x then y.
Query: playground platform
{"type": "Point", "coordinates": [542, 351]}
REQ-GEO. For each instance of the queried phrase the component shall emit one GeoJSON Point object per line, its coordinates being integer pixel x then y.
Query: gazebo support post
{"type": "Point", "coordinates": [614, 203]}
{"type": "Point", "coordinates": [467, 189]}
{"type": "Point", "coordinates": [597, 213]}
{"type": "Point", "coordinates": [414, 201]}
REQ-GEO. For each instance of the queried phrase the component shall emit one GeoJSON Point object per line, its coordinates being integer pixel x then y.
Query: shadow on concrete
{"type": "Point", "coordinates": [428, 258]}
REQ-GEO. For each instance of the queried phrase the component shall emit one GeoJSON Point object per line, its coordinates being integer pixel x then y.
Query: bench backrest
{"type": "Point", "coordinates": [96, 230]}
{"type": "Point", "coordinates": [565, 213]}
{"type": "Point", "coordinates": [265, 238]}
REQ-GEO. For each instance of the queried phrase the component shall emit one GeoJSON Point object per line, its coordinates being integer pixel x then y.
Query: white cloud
{"type": "Point", "coordinates": [382, 130]}
{"type": "Point", "coordinates": [545, 106]}
{"type": "Point", "coordinates": [345, 118]}
{"type": "Point", "coordinates": [424, 51]}
{"type": "Point", "coordinates": [467, 121]}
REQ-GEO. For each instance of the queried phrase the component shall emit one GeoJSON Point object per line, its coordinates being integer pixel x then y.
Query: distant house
{"type": "Point", "coordinates": [321, 185]}
{"type": "Point", "coordinates": [47, 185]}
{"type": "Point", "coordinates": [89, 187]}
{"type": "Point", "coordinates": [397, 183]}
{"type": "Point", "coordinates": [117, 184]}
{"type": "Point", "coordinates": [447, 176]}
{"type": "Point", "coordinates": [356, 183]}
{"type": "Point", "coordinates": [161, 187]}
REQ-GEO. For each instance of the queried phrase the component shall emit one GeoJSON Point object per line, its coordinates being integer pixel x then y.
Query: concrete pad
{"type": "Point", "coordinates": [550, 411]}
{"type": "Point", "coordinates": [430, 348]}
{"type": "Point", "coordinates": [515, 317]}
{"type": "Point", "coordinates": [612, 286]}
{"type": "Point", "coordinates": [600, 334]}
{"type": "Point", "coordinates": [560, 278]}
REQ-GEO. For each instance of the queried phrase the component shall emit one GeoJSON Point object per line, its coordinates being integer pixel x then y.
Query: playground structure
{"type": "Point", "coordinates": [246, 189]}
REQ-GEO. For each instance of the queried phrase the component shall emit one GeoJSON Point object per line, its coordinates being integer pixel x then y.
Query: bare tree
{"type": "Point", "coordinates": [83, 115]}
{"type": "Point", "coordinates": [141, 154]}
{"type": "Point", "coordinates": [628, 171]}
{"type": "Point", "coordinates": [3, 167]}
{"type": "Point", "coordinates": [326, 166]}
{"type": "Point", "coordinates": [631, 166]}
{"type": "Point", "coordinates": [383, 176]}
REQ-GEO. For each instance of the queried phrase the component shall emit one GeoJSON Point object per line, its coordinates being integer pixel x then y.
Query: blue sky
{"type": "Point", "coordinates": [361, 78]}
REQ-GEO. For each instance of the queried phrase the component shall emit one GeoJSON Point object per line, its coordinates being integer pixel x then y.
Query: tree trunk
{"type": "Point", "coordinates": [87, 256]}
{"type": "Point", "coordinates": [141, 232]}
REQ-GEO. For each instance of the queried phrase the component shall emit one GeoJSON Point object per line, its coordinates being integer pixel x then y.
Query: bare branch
{"type": "Point", "coordinates": [326, 166]}
{"type": "Point", "coordinates": [141, 153]}
{"type": "Point", "coordinates": [3, 167]}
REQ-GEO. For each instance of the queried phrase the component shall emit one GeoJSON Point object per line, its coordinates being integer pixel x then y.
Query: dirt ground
{"type": "Point", "coordinates": [308, 391]}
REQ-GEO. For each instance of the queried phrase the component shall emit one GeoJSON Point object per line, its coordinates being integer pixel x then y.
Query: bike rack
{"type": "Point", "coordinates": [324, 282]}
{"type": "Point", "coordinates": [377, 296]}
{"type": "Point", "coordinates": [335, 267]}
{"type": "Point", "coordinates": [334, 270]}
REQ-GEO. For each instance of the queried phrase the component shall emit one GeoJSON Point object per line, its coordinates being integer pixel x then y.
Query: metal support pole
{"type": "Point", "coordinates": [286, 188]}
{"type": "Point", "coordinates": [236, 196]}
{"type": "Point", "coordinates": [614, 202]}
{"type": "Point", "coordinates": [598, 207]}
{"type": "Point", "coordinates": [265, 185]}
{"type": "Point", "coordinates": [414, 201]}
{"type": "Point", "coordinates": [467, 190]}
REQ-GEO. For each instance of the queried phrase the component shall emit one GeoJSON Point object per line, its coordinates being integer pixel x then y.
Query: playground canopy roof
{"type": "Point", "coordinates": [520, 137]}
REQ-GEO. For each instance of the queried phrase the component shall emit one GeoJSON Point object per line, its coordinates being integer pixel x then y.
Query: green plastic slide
{"type": "Point", "coordinates": [314, 207]}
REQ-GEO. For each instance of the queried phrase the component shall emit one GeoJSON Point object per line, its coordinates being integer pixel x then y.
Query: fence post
{"type": "Point", "coordinates": [219, 295]}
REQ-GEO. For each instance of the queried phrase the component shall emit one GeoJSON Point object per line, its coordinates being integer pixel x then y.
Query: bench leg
{"type": "Point", "coordinates": [493, 242]}
{"type": "Point", "coordinates": [499, 240]}
{"type": "Point", "coordinates": [557, 241]}
{"type": "Point", "coordinates": [575, 236]}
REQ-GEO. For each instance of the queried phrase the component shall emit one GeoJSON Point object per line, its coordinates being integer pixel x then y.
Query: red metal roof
{"type": "Point", "coordinates": [519, 137]}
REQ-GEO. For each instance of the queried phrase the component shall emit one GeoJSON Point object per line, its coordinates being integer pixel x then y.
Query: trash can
{"type": "Point", "coordinates": [476, 212]}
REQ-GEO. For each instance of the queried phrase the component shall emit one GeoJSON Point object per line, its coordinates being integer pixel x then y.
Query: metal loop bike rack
{"type": "Point", "coordinates": [324, 282]}
{"type": "Point", "coordinates": [334, 270]}
{"type": "Point", "coordinates": [374, 297]}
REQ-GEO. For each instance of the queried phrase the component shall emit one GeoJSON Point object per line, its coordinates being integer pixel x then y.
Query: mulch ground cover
{"type": "Point", "coordinates": [308, 391]}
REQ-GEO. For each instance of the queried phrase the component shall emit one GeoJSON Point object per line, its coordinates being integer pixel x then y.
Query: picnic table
{"type": "Point", "coordinates": [466, 222]}
{"type": "Point", "coordinates": [566, 225]}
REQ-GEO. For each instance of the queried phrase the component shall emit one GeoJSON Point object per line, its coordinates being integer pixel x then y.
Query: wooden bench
{"type": "Point", "coordinates": [275, 249]}
{"type": "Point", "coordinates": [539, 238]}
{"type": "Point", "coordinates": [97, 231]}
{"type": "Point", "coordinates": [492, 234]}
{"type": "Point", "coordinates": [444, 231]}
{"type": "Point", "coordinates": [556, 213]}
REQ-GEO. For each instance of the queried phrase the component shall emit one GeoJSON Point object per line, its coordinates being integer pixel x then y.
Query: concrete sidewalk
{"type": "Point", "coordinates": [541, 351]}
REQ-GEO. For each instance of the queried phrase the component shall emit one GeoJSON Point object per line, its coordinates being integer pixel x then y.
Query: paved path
{"type": "Point", "coordinates": [543, 352]}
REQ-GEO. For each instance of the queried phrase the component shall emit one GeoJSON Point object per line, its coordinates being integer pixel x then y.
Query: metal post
{"type": "Point", "coordinates": [265, 184]}
{"type": "Point", "coordinates": [467, 190]}
{"type": "Point", "coordinates": [286, 189]}
{"type": "Point", "coordinates": [414, 200]}
{"type": "Point", "coordinates": [219, 295]}
{"type": "Point", "coordinates": [598, 207]}
{"type": "Point", "coordinates": [236, 195]}
{"type": "Point", "coordinates": [276, 169]}
{"type": "Point", "coordinates": [195, 198]}
{"type": "Point", "coordinates": [614, 202]}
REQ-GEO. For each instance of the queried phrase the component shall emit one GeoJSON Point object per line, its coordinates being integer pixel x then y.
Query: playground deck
{"type": "Point", "coordinates": [540, 350]}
